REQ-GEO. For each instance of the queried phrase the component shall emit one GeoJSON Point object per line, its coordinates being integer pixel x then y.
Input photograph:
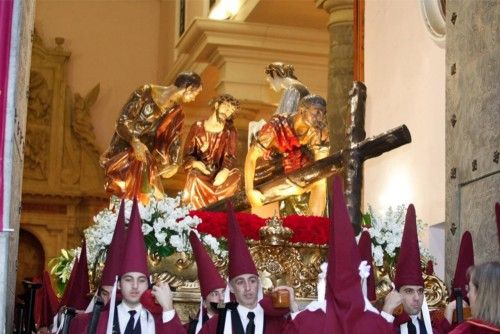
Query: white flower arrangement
{"type": "Point", "coordinates": [166, 226]}
{"type": "Point", "coordinates": [386, 233]}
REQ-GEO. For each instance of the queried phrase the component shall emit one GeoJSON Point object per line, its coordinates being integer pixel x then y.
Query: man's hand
{"type": "Point", "coordinates": [140, 150]}
{"type": "Point", "coordinates": [163, 296]}
{"type": "Point", "coordinates": [201, 167]}
{"type": "Point", "coordinates": [294, 307]}
{"type": "Point", "coordinates": [392, 300]}
{"type": "Point", "coordinates": [450, 309]}
{"type": "Point", "coordinates": [255, 197]}
{"type": "Point", "coordinates": [221, 177]}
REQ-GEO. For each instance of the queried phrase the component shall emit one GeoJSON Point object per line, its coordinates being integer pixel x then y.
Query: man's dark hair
{"type": "Point", "coordinates": [187, 79]}
{"type": "Point", "coordinates": [312, 100]}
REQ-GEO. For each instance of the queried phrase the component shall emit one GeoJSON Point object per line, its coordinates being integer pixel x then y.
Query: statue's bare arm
{"type": "Point", "coordinates": [255, 197]}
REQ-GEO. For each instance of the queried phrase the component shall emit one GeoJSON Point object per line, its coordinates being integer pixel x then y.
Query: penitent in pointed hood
{"type": "Point", "coordinates": [115, 249]}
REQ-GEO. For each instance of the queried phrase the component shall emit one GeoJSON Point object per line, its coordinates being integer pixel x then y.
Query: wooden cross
{"type": "Point", "coordinates": [356, 150]}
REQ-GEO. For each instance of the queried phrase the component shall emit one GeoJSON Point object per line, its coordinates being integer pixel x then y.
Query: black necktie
{"type": "Point", "coordinates": [130, 324]}
{"type": "Point", "coordinates": [251, 324]}
{"type": "Point", "coordinates": [411, 328]}
{"type": "Point", "coordinates": [421, 325]}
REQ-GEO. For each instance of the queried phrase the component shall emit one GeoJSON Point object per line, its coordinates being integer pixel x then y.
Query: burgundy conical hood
{"type": "Point", "coordinates": [240, 260]}
{"type": "Point", "coordinates": [46, 302]}
{"type": "Point", "coordinates": [464, 261]}
{"type": "Point", "coordinates": [78, 295]}
{"type": "Point", "coordinates": [344, 297]}
{"type": "Point", "coordinates": [408, 268]}
{"type": "Point", "coordinates": [209, 277]}
{"type": "Point", "coordinates": [69, 283]}
{"type": "Point", "coordinates": [135, 254]}
{"type": "Point", "coordinates": [365, 251]}
{"type": "Point", "coordinates": [113, 262]}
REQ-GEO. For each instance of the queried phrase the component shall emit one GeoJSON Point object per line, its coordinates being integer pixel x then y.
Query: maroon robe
{"type": "Point", "coordinates": [79, 325]}
{"type": "Point", "coordinates": [474, 326]}
{"type": "Point", "coordinates": [311, 322]}
{"type": "Point", "coordinates": [439, 326]}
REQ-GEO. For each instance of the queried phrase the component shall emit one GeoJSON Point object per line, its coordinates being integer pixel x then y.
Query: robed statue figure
{"type": "Point", "coordinates": [210, 155]}
{"type": "Point", "coordinates": [300, 138]}
{"type": "Point", "coordinates": [146, 144]}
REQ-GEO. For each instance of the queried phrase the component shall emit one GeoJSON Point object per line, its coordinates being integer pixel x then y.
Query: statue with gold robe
{"type": "Point", "coordinates": [300, 138]}
{"type": "Point", "coordinates": [210, 154]}
{"type": "Point", "coordinates": [146, 144]}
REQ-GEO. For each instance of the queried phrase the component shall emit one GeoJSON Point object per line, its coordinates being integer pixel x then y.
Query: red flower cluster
{"type": "Point", "coordinates": [307, 229]}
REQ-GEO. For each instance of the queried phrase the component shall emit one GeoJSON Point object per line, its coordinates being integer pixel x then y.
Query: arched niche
{"type": "Point", "coordinates": [31, 259]}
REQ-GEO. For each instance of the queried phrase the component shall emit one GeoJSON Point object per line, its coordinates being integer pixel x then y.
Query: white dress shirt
{"type": "Point", "coordinates": [146, 318]}
{"type": "Point", "coordinates": [258, 320]}
{"type": "Point", "coordinates": [403, 327]}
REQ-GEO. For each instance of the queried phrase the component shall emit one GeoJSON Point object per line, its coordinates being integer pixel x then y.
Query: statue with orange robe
{"type": "Point", "coordinates": [210, 154]}
{"type": "Point", "coordinates": [146, 143]}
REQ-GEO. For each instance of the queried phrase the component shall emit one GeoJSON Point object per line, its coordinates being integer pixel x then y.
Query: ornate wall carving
{"type": "Point", "coordinates": [62, 180]}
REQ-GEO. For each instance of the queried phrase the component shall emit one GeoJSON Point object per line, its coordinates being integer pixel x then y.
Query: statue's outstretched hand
{"type": "Point", "coordinates": [221, 177]}
{"type": "Point", "coordinates": [140, 150]}
{"type": "Point", "coordinates": [201, 167]}
{"type": "Point", "coordinates": [169, 171]}
{"type": "Point", "coordinates": [255, 197]}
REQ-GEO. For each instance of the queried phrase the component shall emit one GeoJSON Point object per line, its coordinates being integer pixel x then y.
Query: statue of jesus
{"type": "Point", "coordinates": [210, 154]}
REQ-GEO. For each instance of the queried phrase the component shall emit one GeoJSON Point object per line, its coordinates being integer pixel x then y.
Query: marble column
{"type": "Point", "coordinates": [340, 66]}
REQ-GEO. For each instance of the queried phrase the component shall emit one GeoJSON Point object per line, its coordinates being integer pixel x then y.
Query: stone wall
{"type": "Point", "coordinates": [20, 57]}
{"type": "Point", "coordinates": [472, 123]}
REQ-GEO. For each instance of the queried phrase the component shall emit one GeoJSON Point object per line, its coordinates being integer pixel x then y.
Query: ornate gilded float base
{"type": "Point", "coordinates": [279, 263]}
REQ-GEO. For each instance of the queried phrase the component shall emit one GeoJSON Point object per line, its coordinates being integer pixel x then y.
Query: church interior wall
{"type": "Point", "coordinates": [405, 77]}
{"type": "Point", "coordinates": [114, 43]}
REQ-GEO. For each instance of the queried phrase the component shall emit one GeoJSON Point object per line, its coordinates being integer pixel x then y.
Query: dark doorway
{"type": "Point", "coordinates": [31, 259]}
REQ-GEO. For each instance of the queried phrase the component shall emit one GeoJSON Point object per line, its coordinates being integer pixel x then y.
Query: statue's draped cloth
{"type": "Point", "coordinates": [217, 150]}
{"type": "Point", "coordinates": [158, 128]}
{"type": "Point", "coordinates": [278, 136]}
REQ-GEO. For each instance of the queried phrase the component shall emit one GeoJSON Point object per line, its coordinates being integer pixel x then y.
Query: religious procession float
{"type": "Point", "coordinates": [288, 161]}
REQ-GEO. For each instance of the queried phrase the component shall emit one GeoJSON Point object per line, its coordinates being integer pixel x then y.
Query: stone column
{"type": "Point", "coordinates": [340, 67]}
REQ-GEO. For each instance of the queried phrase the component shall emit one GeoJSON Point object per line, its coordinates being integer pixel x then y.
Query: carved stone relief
{"type": "Point", "coordinates": [62, 181]}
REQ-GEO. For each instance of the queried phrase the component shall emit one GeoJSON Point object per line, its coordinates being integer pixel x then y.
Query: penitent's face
{"type": "Point", "coordinates": [132, 286]}
{"type": "Point", "coordinates": [105, 293]}
{"type": "Point", "coordinates": [215, 296]}
{"type": "Point", "coordinates": [245, 288]}
{"type": "Point", "coordinates": [413, 297]}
